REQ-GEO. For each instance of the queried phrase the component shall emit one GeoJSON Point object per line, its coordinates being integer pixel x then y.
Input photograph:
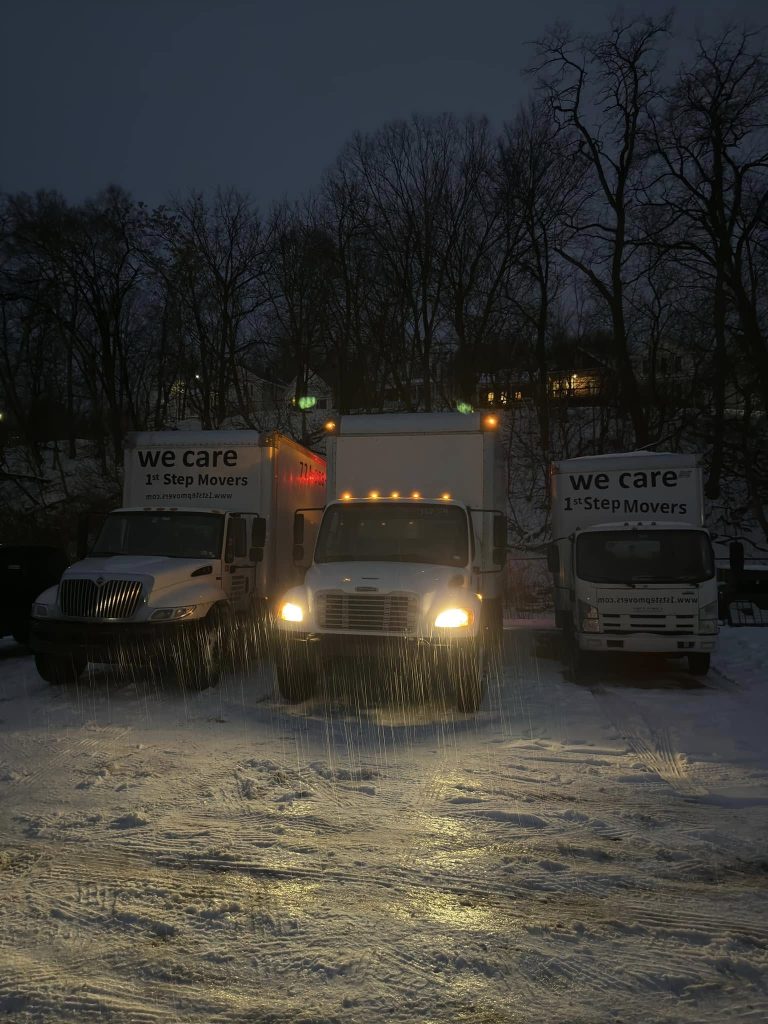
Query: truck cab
{"type": "Point", "coordinates": [624, 580]}
{"type": "Point", "coordinates": [189, 567]}
{"type": "Point", "coordinates": [153, 582]}
{"type": "Point", "coordinates": [401, 574]}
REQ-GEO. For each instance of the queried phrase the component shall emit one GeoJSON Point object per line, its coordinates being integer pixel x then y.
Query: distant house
{"type": "Point", "coordinates": [252, 396]}
{"type": "Point", "coordinates": [312, 394]}
{"type": "Point", "coordinates": [502, 391]}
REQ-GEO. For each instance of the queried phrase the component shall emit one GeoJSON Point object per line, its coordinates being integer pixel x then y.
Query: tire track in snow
{"type": "Point", "coordinates": [49, 764]}
{"type": "Point", "coordinates": [649, 740]}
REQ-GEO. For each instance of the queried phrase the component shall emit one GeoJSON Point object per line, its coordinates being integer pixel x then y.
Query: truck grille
{"type": "Point", "coordinates": [114, 599]}
{"type": "Point", "coordinates": [647, 622]}
{"type": "Point", "coordinates": [380, 613]}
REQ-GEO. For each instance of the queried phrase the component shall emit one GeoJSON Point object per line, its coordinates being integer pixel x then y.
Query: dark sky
{"type": "Point", "coordinates": [162, 96]}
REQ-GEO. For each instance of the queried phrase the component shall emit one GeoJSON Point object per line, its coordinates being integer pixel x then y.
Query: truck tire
{"type": "Point", "coordinates": [573, 655]}
{"type": "Point", "coordinates": [468, 672]}
{"type": "Point", "coordinates": [575, 662]}
{"type": "Point", "coordinates": [200, 666]}
{"type": "Point", "coordinates": [60, 669]}
{"type": "Point", "coordinates": [296, 677]}
{"type": "Point", "coordinates": [698, 663]}
{"type": "Point", "coordinates": [493, 618]}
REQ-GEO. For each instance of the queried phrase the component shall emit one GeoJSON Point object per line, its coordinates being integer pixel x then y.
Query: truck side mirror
{"type": "Point", "coordinates": [499, 555]}
{"type": "Point", "coordinates": [229, 550]}
{"type": "Point", "coordinates": [89, 526]}
{"type": "Point", "coordinates": [500, 531]}
{"type": "Point", "coordinates": [259, 533]}
{"type": "Point", "coordinates": [258, 540]}
{"type": "Point", "coordinates": [736, 556]}
{"type": "Point", "coordinates": [553, 559]}
{"type": "Point", "coordinates": [298, 529]}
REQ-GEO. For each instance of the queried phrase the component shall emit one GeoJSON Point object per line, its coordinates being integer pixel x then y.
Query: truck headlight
{"type": "Point", "coordinates": [291, 612]}
{"type": "Point", "coordinates": [708, 618]}
{"type": "Point", "coordinates": [454, 618]}
{"type": "Point", "coordinates": [39, 611]}
{"type": "Point", "coordinates": [589, 620]}
{"type": "Point", "coordinates": [166, 614]}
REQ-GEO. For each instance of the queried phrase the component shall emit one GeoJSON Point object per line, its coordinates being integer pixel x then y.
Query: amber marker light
{"type": "Point", "coordinates": [374, 494]}
{"type": "Point", "coordinates": [446, 496]}
{"type": "Point", "coordinates": [416, 494]}
{"type": "Point", "coordinates": [395, 494]}
{"type": "Point", "coordinates": [490, 422]}
{"type": "Point", "coordinates": [346, 496]}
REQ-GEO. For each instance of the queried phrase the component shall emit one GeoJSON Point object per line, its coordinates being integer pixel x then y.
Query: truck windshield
{"type": "Point", "coordinates": [173, 534]}
{"type": "Point", "coordinates": [644, 556]}
{"type": "Point", "coordinates": [391, 532]}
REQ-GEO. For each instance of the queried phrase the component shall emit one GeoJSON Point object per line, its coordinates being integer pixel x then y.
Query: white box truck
{"type": "Point", "coordinates": [204, 540]}
{"type": "Point", "coordinates": [633, 568]}
{"type": "Point", "coordinates": [407, 563]}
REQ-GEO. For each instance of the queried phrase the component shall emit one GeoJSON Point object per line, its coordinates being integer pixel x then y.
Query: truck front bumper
{"type": "Point", "coordinates": [647, 643]}
{"type": "Point", "coordinates": [110, 641]}
{"type": "Point", "coordinates": [330, 646]}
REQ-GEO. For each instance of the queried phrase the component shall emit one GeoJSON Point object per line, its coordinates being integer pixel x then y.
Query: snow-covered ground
{"type": "Point", "coordinates": [580, 853]}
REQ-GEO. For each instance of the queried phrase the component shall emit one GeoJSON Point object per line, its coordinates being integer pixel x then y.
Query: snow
{"type": "Point", "coordinates": [576, 852]}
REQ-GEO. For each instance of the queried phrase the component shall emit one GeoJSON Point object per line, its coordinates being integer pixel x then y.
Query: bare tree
{"type": "Point", "coordinates": [603, 88]}
{"type": "Point", "coordinates": [87, 268]}
{"type": "Point", "coordinates": [214, 264]}
{"type": "Point", "coordinates": [711, 143]}
{"type": "Point", "coordinates": [483, 234]}
{"type": "Point", "coordinates": [541, 179]}
{"type": "Point", "coordinates": [405, 171]}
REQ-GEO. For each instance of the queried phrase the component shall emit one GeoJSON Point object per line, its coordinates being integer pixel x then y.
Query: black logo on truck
{"type": "Point", "coordinates": [628, 480]}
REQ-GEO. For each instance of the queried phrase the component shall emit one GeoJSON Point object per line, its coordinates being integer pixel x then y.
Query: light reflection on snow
{"type": "Point", "coordinates": [380, 857]}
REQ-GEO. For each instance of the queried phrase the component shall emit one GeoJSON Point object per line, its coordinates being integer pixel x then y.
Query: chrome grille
{"type": "Point", "coordinates": [85, 599]}
{"type": "Point", "coordinates": [379, 613]}
{"type": "Point", "coordinates": [647, 622]}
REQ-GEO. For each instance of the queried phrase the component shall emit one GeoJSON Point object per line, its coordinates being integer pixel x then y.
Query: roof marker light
{"type": "Point", "coordinates": [374, 494]}
{"type": "Point", "coordinates": [395, 494]}
{"type": "Point", "coordinates": [346, 496]}
{"type": "Point", "coordinates": [446, 496]}
{"type": "Point", "coordinates": [416, 494]}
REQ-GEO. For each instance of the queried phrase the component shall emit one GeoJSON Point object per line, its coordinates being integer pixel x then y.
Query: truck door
{"type": "Point", "coordinates": [239, 570]}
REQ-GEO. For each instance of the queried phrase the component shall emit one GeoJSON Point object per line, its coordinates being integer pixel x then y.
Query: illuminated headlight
{"type": "Point", "coordinates": [290, 612]}
{"type": "Point", "coordinates": [39, 611]}
{"type": "Point", "coordinates": [166, 614]}
{"type": "Point", "coordinates": [708, 618]}
{"type": "Point", "coordinates": [588, 618]}
{"type": "Point", "coordinates": [454, 618]}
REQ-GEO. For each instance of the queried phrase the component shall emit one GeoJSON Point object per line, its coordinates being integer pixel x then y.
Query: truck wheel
{"type": "Point", "coordinates": [574, 657]}
{"type": "Point", "coordinates": [468, 674]}
{"type": "Point", "coordinates": [202, 667]}
{"type": "Point", "coordinates": [575, 661]}
{"type": "Point", "coordinates": [493, 618]}
{"type": "Point", "coordinates": [698, 664]}
{"type": "Point", "coordinates": [60, 669]}
{"type": "Point", "coordinates": [296, 679]}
